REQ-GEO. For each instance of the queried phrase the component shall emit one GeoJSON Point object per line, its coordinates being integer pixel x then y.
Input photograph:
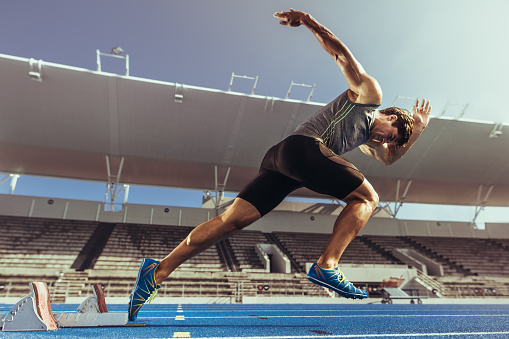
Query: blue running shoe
{"type": "Point", "coordinates": [335, 280]}
{"type": "Point", "coordinates": [145, 288]}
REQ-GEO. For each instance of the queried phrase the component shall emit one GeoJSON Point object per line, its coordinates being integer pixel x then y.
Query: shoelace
{"type": "Point", "coordinates": [152, 296]}
{"type": "Point", "coordinates": [349, 285]}
{"type": "Point", "coordinates": [338, 273]}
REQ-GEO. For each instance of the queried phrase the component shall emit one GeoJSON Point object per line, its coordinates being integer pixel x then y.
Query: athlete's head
{"type": "Point", "coordinates": [402, 120]}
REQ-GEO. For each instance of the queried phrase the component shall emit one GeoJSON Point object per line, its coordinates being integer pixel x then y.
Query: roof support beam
{"type": "Point", "coordinates": [126, 58]}
{"type": "Point", "coordinates": [243, 77]}
{"type": "Point", "coordinates": [400, 97]}
{"type": "Point", "coordinates": [35, 72]}
{"type": "Point", "coordinates": [481, 204]}
{"type": "Point", "coordinates": [113, 187]}
{"type": "Point", "coordinates": [462, 109]}
{"type": "Point", "coordinates": [496, 131]}
{"type": "Point", "coordinates": [14, 180]}
{"type": "Point", "coordinates": [301, 85]}
{"type": "Point", "coordinates": [398, 202]}
{"type": "Point", "coordinates": [219, 189]}
{"type": "Point", "coordinates": [235, 133]}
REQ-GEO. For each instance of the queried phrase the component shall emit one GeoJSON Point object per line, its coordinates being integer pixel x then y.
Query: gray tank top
{"type": "Point", "coordinates": [341, 125]}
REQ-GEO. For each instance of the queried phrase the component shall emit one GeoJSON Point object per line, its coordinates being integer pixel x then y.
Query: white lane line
{"type": "Point", "coordinates": [181, 335]}
{"type": "Point", "coordinates": [266, 310]}
{"type": "Point", "coordinates": [351, 316]}
{"type": "Point", "coordinates": [256, 309]}
{"type": "Point", "coordinates": [180, 317]}
{"type": "Point", "coordinates": [378, 335]}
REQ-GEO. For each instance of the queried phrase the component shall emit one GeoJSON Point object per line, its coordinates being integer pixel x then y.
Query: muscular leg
{"type": "Point", "coordinates": [238, 216]}
{"type": "Point", "coordinates": [360, 204]}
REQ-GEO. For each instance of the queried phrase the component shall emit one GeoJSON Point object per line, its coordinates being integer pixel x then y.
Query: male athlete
{"type": "Point", "coordinates": [309, 157]}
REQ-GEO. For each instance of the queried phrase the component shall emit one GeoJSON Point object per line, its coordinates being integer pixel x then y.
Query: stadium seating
{"type": "Point", "coordinates": [243, 246]}
{"type": "Point", "coordinates": [45, 249]}
{"type": "Point", "coordinates": [478, 256]}
{"type": "Point", "coordinates": [129, 243]}
{"type": "Point", "coordinates": [42, 243]}
{"type": "Point", "coordinates": [388, 244]}
{"type": "Point", "coordinates": [307, 247]}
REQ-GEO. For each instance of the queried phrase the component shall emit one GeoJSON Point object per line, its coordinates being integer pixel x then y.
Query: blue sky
{"type": "Point", "coordinates": [445, 51]}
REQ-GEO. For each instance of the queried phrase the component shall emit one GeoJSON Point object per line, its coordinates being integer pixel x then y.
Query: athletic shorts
{"type": "Point", "coordinates": [300, 161]}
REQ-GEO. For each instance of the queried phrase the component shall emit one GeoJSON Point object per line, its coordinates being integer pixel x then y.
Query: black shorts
{"type": "Point", "coordinates": [300, 161]}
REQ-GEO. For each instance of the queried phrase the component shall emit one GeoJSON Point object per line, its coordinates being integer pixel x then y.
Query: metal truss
{"type": "Point", "coordinates": [301, 85]}
{"type": "Point", "coordinates": [14, 179]}
{"type": "Point", "coordinates": [218, 190]}
{"type": "Point", "coordinates": [243, 77]}
{"type": "Point", "coordinates": [398, 202]}
{"type": "Point", "coordinates": [114, 188]}
{"type": "Point", "coordinates": [481, 203]}
{"type": "Point", "coordinates": [35, 72]}
{"type": "Point", "coordinates": [126, 57]}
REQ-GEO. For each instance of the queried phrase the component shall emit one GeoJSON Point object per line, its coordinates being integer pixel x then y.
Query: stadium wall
{"type": "Point", "coordinates": [285, 221]}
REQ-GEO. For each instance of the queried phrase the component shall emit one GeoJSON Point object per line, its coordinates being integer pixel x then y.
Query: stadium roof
{"type": "Point", "coordinates": [62, 121]}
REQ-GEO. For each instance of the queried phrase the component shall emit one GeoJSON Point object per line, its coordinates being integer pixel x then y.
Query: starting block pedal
{"type": "Point", "coordinates": [33, 312]}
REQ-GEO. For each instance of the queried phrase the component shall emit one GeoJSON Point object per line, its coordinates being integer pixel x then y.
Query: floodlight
{"type": "Point", "coordinates": [117, 50]}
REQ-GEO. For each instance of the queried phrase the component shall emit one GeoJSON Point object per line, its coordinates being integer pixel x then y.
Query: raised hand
{"type": "Point", "coordinates": [293, 18]}
{"type": "Point", "coordinates": [421, 114]}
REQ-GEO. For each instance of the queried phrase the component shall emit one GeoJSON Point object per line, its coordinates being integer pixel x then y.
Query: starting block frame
{"type": "Point", "coordinates": [33, 313]}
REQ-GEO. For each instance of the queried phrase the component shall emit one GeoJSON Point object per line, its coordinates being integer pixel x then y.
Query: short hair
{"type": "Point", "coordinates": [404, 123]}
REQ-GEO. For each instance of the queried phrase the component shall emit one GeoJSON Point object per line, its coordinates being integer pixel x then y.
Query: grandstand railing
{"type": "Point", "coordinates": [478, 292]}
{"type": "Point", "coordinates": [236, 290]}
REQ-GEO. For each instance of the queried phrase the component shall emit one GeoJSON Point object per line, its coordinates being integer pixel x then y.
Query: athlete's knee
{"type": "Point", "coordinates": [364, 194]}
{"type": "Point", "coordinates": [234, 222]}
{"type": "Point", "coordinates": [373, 200]}
{"type": "Point", "coordinates": [372, 197]}
{"type": "Point", "coordinates": [240, 215]}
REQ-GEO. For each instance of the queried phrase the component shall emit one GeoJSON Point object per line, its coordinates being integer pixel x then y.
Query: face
{"type": "Point", "coordinates": [383, 131]}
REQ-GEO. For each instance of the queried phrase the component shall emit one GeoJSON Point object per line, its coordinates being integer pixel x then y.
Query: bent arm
{"type": "Point", "coordinates": [364, 88]}
{"type": "Point", "coordinates": [389, 153]}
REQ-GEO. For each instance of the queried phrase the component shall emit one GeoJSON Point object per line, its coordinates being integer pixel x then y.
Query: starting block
{"type": "Point", "coordinates": [33, 312]}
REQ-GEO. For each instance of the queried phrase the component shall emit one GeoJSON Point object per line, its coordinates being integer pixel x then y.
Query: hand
{"type": "Point", "coordinates": [293, 18]}
{"type": "Point", "coordinates": [421, 114]}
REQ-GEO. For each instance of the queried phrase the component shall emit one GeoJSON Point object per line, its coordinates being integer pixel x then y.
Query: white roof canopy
{"type": "Point", "coordinates": [66, 123]}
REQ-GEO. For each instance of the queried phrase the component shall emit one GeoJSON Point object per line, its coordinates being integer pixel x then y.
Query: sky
{"type": "Point", "coordinates": [449, 51]}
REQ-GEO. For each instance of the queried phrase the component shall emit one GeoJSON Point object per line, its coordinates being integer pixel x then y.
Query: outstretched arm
{"type": "Point", "coordinates": [364, 89]}
{"type": "Point", "coordinates": [389, 153]}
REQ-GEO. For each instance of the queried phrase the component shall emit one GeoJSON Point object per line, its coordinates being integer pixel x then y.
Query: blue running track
{"type": "Point", "coordinates": [297, 321]}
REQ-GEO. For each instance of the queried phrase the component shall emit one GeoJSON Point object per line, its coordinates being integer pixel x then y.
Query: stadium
{"type": "Point", "coordinates": [121, 130]}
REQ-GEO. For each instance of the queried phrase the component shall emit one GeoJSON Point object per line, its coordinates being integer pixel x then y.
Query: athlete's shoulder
{"type": "Point", "coordinates": [368, 93]}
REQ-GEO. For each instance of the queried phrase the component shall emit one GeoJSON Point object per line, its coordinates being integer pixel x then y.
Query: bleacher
{"type": "Point", "coordinates": [42, 243]}
{"type": "Point", "coordinates": [478, 256]}
{"type": "Point", "coordinates": [503, 243]}
{"type": "Point", "coordinates": [45, 249]}
{"type": "Point", "coordinates": [389, 244]}
{"type": "Point", "coordinates": [130, 243]}
{"type": "Point", "coordinates": [243, 246]}
{"type": "Point", "coordinates": [307, 248]}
